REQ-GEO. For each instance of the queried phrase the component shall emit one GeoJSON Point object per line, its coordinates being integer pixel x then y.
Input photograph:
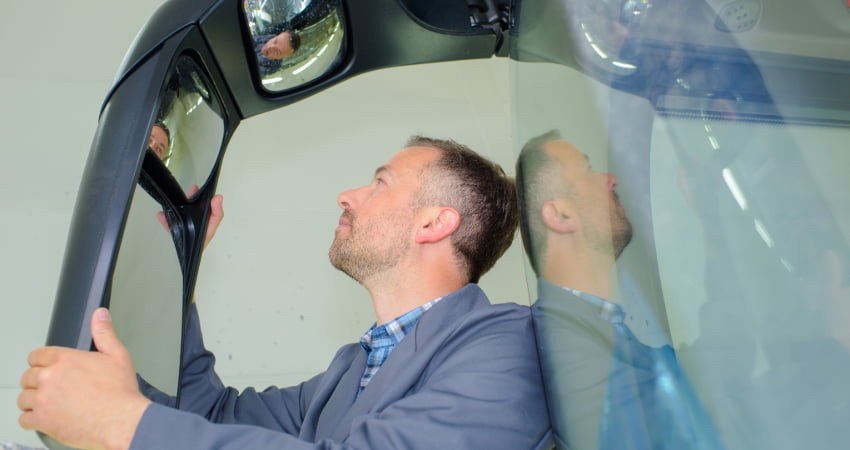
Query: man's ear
{"type": "Point", "coordinates": [437, 223]}
{"type": "Point", "coordinates": [559, 216]}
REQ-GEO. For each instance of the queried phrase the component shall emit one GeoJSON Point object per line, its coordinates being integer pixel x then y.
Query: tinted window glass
{"type": "Point", "coordinates": [147, 293]}
{"type": "Point", "coordinates": [687, 224]}
{"type": "Point", "coordinates": [752, 231]}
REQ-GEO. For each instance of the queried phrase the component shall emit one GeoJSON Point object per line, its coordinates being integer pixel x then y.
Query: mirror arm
{"type": "Point", "coordinates": [493, 15]}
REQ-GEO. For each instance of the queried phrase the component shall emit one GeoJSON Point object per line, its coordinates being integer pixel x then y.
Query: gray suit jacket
{"type": "Point", "coordinates": [575, 346]}
{"type": "Point", "coordinates": [467, 376]}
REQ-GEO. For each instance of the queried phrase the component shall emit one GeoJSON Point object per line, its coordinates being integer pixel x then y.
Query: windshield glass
{"type": "Point", "coordinates": [685, 215]}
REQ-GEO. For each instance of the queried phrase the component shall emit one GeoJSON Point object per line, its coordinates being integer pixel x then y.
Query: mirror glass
{"type": "Point", "coordinates": [146, 295]}
{"type": "Point", "coordinates": [294, 41]}
{"type": "Point", "coordinates": [189, 129]}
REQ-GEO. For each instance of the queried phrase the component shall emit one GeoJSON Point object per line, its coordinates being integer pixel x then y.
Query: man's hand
{"type": "Point", "coordinates": [84, 399]}
{"type": "Point", "coordinates": [216, 216]}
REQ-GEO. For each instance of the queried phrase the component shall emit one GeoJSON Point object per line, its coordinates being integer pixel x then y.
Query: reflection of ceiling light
{"type": "Point", "coordinates": [268, 81]}
{"type": "Point", "coordinates": [734, 189]}
{"type": "Point", "coordinates": [322, 50]}
{"type": "Point", "coordinates": [762, 231]}
{"type": "Point", "coordinates": [786, 264]}
{"type": "Point", "coordinates": [196, 105]}
{"type": "Point", "coordinates": [713, 141]}
{"type": "Point", "coordinates": [599, 51]}
{"type": "Point", "coordinates": [305, 66]}
{"type": "Point", "coordinates": [623, 65]}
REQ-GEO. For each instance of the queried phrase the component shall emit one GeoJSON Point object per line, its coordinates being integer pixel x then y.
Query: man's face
{"type": "Point", "coordinates": [598, 206]}
{"type": "Point", "coordinates": [278, 47]}
{"type": "Point", "coordinates": [376, 226]}
{"type": "Point", "coordinates": [158, 141]}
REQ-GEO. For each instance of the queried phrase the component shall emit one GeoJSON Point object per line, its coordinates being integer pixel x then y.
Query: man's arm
{"type": "Point", "coordinates": [202, 391]}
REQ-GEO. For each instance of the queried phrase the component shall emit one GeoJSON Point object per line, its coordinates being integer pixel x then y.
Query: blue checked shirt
{"type": "Point", "coordinates": [379, 341]}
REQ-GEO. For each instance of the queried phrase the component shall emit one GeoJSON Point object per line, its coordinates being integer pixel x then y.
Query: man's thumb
{"type": "Point", "coordinates": [103, 334]}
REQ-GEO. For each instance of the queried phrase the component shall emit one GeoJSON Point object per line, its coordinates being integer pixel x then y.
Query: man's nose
{"type": "Point", "coordinates": [612, 181]}
{"type": "Point", "coordinates": [348, 199]}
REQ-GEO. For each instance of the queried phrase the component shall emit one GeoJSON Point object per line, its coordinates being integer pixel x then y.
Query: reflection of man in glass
{"type": "Point", "coordinates": [159, 139]}
{"type": "Point", "coordinates": [441, 367]}
{"type": "Point", "coordinates": [606, 389]}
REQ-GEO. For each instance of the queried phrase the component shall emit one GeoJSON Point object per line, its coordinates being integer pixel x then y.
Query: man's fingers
{"type": "Point", "coordinates": [30, 380]}
{"type": "Point", "coordinates": [43, 356]}
{"type": "Point", "coordinates": [216, 204]}
{"type": "Point", "coordinates": [216, 216]}
{"type": "Point", "coordinates": [25, 399]}
{"type": "Point", "coordinates": [26, 420]}
{"type": "Point", "coordinates": [160, 216]}
{"type": "Point", "coordinates": [103, 334]}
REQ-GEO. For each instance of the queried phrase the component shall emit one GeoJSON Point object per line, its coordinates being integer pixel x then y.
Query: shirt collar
{"type": "Point", "coordinates": [391, 333]}
{"type": "Point", "coordinates": [609, 311]}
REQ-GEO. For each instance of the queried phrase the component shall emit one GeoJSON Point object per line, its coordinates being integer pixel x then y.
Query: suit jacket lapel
{"type": "Point", "coordinates": [336, 395]}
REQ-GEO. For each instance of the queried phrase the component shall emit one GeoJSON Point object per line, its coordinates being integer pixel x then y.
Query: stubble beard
{"type": "Point", "coordinates": [621, 234]}
{"type": "Point", "coordinates": [619, 237]}
{"type": "Point", "coordinates": [370, 249]}
{"type": "Point", "coordinates": [621, 230]}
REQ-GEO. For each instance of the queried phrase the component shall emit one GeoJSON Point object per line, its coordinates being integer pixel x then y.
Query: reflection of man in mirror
{"type": "Point", "coordinates": [281, 45]}
{"type": "Point", "coordinates": [271, 49]}
{"type": "Point", "coordinates": [159, 140]}
{"type": "Point", "coordinates": [440, 368]}
{"type": "Point", "coordinates": [284, 38]}
{"type": "Point", "coordinates": [606, 389]}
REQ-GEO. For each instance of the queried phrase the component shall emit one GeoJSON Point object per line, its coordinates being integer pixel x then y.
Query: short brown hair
{"type": "Point", "coordinates": [484, 196]}
{"type": "Point", "coordinates": [537, 181]}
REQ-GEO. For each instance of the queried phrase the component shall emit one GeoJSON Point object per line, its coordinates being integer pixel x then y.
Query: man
{"type": "Point", "coordinates": [606, 388]}
{"type": "Point", "coordinates": [159, 140]}
{"type": "Point", "coordinates": [441, 368]}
